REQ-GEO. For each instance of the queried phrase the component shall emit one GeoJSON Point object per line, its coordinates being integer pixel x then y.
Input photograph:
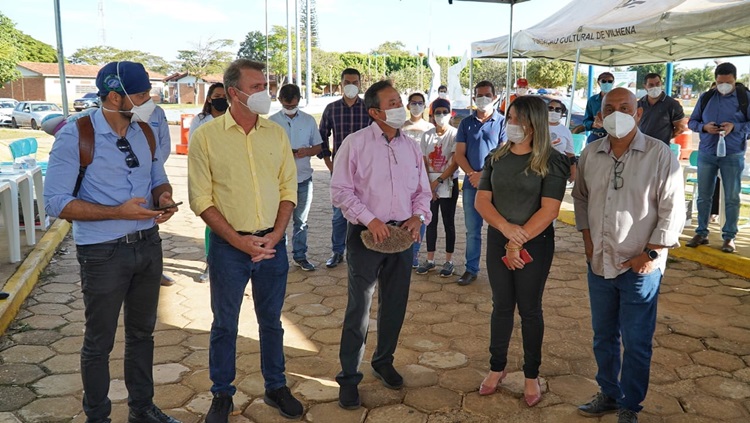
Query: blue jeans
{"type": "Point", "coordinates": [338, 233]}
{"type": "Point", "coordinates": [299, 235]}
{"type": "Point", "coordinates": [229, 272]}
{"type": "Point", "coordinates": [418, 245]}
{"type": "Point", "coordinates": [473, 228]}
{"type": "Point", "coordinates": [624, 307]}
{"type": "Point", "coordinates": [731, 168]}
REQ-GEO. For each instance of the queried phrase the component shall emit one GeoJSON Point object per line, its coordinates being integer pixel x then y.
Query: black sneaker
{"type": "Point", "coordinates": [389, 376]}
{"type": "Point", "coordinates": [305, 265]}
{"type": "Point", "coordinates": [627, 416]}
{"type": "Point", "coordinates": [349, 397]}
{"type": "Point", "coordinates": [467, 278]}
{"type": "Point", "coordinates": [334, 260]}
{"type": "Point", "coordinates": [283, 400]}
{"type": "Point", "coordinates": [600, 405]}
{"type": "Point", "coordinates": [221, 407]}
{"type": "Point", "coordinates": [150, 415]}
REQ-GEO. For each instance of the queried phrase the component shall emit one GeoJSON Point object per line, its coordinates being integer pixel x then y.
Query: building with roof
{"type": "Point", "coordinates": [41, 81]}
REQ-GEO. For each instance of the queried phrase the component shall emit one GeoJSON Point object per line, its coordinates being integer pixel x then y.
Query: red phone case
{"type": "Point", "coordinates": [525, 256]}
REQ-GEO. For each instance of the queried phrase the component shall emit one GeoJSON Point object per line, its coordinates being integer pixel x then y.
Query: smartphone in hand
{"type": "Point", "coordinates": [525, 256]}
{"type": "Point", "coordinates": [168, 206]}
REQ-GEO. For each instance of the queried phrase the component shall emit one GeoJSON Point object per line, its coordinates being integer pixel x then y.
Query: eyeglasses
{"type": "Point", "coordinates": [417, 103]}
{"type": "Point", "coordinates": [619, 166]}
{"type": "Point", "coordinates": [130, 159]}
{"type": "Point", "coordinates": [392, 151]}
{"type": "Point", "coordinates": [442, 113]}
{"type": "Point", "coordinates": [606, 81]}
{"type": "Point", "coordinates": [555, 109]}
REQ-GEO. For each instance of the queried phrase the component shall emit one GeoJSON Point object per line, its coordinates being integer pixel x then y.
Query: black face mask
{"type": "Point", "coordinates": [219, 104]}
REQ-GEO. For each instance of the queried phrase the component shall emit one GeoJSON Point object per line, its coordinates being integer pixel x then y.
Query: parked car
{"type": "Point", "coordinates": [88, 100]}
{"type": "Point", "coordinates": [6, 110]}
{"type": "Point", "coordinates": [31, 113]}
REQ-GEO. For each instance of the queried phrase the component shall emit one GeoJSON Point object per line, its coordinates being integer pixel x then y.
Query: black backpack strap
{"type": "Point", "coordinates": [743, 98]}
{"type": "Point", "coordinates": [85, 149]}
{"type": "Point", "coordinates": [149, 133]}
{"type": "Point", "coordinates": [704, 99]}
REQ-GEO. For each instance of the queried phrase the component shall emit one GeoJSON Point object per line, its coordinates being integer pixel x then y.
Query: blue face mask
{"type": "Point", "coordinates": [607, 86]}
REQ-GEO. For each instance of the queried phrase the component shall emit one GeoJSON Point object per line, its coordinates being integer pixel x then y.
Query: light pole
{"type": "Point", "coordinates": [420, 70]}
{"type": "Point", "coordinates": [330, 90]}
{"type": "Point", "coordinates": [268, 71]}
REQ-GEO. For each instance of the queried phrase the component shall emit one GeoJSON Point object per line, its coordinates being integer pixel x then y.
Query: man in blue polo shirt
{"type": "Point", "coordinates": [719, 112]}
{"type": "Point", "coordinates": [116, 234]}
{"type": "Point", "coordinates": [477, 134]}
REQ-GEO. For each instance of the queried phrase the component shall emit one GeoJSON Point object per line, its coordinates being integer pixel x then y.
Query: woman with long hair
{"type": "Point", "coordinates": [215, 105]}
{"type": "Point", "coordinates": [519, 195]}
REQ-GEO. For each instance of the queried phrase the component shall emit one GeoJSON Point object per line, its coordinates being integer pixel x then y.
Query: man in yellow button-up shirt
{"type": "Point", "coordinates": [242, 182]}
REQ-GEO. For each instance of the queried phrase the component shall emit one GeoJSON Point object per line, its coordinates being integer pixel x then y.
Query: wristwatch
{"type": "Point", "coordinates": [652, 254]}
{"type": "Point", "coordinates": [421, 217]}
{"type": "Point", "coordinates": [440, 180]}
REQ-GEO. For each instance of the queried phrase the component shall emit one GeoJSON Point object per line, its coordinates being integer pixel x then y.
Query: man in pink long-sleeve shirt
{"type": "Point", "coordinates": [378, 178]}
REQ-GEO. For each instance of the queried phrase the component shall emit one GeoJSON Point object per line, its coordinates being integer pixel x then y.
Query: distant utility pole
{"type": "Point", "coordinates": [288, 44]}
{"type": "Point", "coordinates": [102, 30]}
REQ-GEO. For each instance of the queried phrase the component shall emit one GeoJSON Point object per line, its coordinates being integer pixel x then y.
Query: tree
{"type": "Point", "coordinates": [33, 50]}
{"type": "Point", "coordinates": [207, 58]}
{"type": "Point", "coordinates": [101, 55]}
{"type": "Point", "coordinates": [405, 80]}
{"type": "Point", "coordinates": [643, 70]}
{"type": "Point", "coordinates": [545, 73]}
{"type": "Point", "coordinates": [313, 23]}
{"type": "Point", "coordinates": [700, 79]}
{"type": "Point", "coordinates": [10, 54]}
{"type": "Point", "coordinates": [391, 48]}
{"type": "Point", "coordinates": [487, 70]}
{"type": "Point", "coordinates": [254, 47]}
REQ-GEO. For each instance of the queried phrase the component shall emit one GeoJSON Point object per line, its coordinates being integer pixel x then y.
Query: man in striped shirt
{"type": "Point", "coordinates": [342, 117]}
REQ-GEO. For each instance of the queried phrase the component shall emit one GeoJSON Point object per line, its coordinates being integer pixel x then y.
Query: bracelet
{"type": "Point", "coordinates": [513, 248]}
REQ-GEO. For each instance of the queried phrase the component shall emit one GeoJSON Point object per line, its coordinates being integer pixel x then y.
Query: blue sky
{"type": "Point", "coordinates": [162, 27]}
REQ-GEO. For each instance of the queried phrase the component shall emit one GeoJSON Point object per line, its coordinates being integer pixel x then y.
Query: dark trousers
{"type": "Point", "coordinates": [447, 208]}
{"type": "Point", "coordinates": [392, 272]}
{"type": "Point", "coordinates": [230, 270]}
{"type": "Point", "coordinates": [524, 288]}
{"type": "Point", "coordinates": [114, 274]}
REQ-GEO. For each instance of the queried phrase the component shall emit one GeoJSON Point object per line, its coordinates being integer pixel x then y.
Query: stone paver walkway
{"type": "Point", "coordinates": [700, 373]}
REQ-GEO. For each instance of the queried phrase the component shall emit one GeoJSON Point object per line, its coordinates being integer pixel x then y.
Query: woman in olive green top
{"type": "Point", "coordinates": [522, 185]}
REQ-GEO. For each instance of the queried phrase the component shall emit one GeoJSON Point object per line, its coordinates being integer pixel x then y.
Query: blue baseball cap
{"type": "Point", "coordinates": [122, 77]}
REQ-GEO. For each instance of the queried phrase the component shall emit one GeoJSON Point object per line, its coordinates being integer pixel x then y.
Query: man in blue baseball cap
{"type": "Point", "coordinates": [115, 204]}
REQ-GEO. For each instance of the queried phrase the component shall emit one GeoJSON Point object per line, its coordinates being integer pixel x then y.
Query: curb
{"type": "Point", "coordinates": [20, 285]}
{"type": "Point", "coordinates": [711, 257]}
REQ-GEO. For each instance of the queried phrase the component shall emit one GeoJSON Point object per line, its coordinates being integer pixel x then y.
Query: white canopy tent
{"type": "Point", "coordinates": [631, 32]}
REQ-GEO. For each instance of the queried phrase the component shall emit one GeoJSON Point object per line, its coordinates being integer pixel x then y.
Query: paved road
{"type": "Point", "coordinates": [700, 374]}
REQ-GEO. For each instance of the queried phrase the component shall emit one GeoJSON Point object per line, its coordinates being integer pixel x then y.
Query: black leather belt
{"type": "Point", "coordinates": [134, 237]}
{"type": "Point", "coordinates": [395, 222]}
{"type": "Point", "coordinates": [264, 232]}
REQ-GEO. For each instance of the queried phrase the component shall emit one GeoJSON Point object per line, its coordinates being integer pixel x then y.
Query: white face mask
{"type": "Point", "coordinates": [484, 103]}
{"type": "Point", "coordinates": [554, 117]}
{"type": "Point", "coordinates": [443, 95]}
{"type": "Point", "coordinates": [654, 92]}
{"type": "Point", "coordinates": [619, 124]}
{"type": "Point", "coordinates": [416, 110]}
{"type": "Point", "coordinates": [724, 88]}
{"type": "Point", "coordinates": [291, 112]}
{"type": "Point", "coordinates": [522, 91]}
{"type": "Point", "coordinates": [143, 112]}
{"type": "Point", "coordinates": [515, 133]}
{"type": "Point", "coordinates": [259, 103]}
{"type": "Point", "coordinates": [395, 118]}
{"type": "Point", "coordinates": [442, 120]}
{"type": "Point", "coordinates": [351, 90]}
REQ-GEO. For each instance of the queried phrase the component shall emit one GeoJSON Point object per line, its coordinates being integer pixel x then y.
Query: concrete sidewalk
{"type": "Point", "coordinates": [700, 372]}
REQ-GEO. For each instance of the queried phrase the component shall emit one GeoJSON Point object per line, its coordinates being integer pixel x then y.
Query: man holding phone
{"type": "Point", "coordinates": [116, 232]}
{"type": "Point", "coordinates": [629, 219]}
{"type": "Point", "coordinates": [723, 110]}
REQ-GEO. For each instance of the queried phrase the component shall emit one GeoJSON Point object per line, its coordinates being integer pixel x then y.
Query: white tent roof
{"type": "Point", "coordinates": [629, 32]}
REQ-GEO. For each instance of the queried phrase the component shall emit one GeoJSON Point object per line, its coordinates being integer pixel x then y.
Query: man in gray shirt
{"type": "Point", "coordinates": [630, 207]}
{"type": "Point", "coordinates": [662, 116]}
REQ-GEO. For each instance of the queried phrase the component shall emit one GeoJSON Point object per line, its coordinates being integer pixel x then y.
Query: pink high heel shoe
{"type": "Point", "coordinates": [489, 389]}
{"type": "Point", "coordinates": [533, 399]}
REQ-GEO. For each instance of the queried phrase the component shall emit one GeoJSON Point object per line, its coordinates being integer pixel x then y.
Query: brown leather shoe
{"type": "Point", "coordinates": [728, 246]}
{"type": "Point", "coordinates": [696, 241]}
